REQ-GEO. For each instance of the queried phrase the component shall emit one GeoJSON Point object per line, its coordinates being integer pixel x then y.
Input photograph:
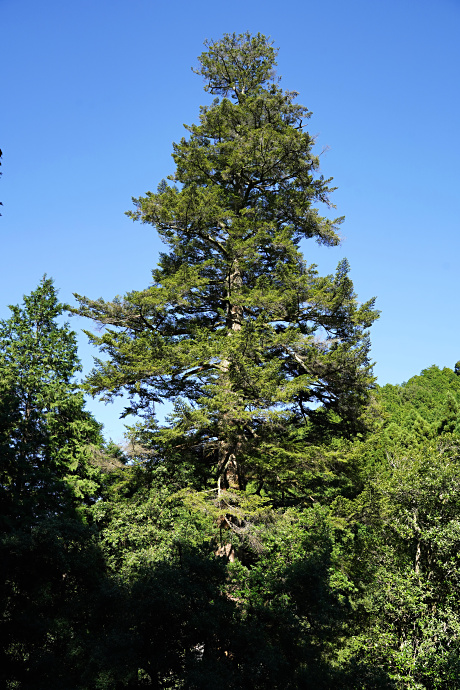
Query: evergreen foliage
{"type": "Point", "coordinates": [291, 525]}
{"type": "Point", "coordinates": [404, 525]}
{"type": "Point", "coordinates": [237, 329]}
{"type": "Point", "coordinates": [46, 433]}
{"type": "Point", "coordinates": [47, 438]}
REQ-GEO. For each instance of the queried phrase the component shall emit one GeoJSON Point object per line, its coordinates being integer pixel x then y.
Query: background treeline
{"type": "Point", "coordinates": [291, 524]}
{"type": "Point", "coordinates": [115, 568]}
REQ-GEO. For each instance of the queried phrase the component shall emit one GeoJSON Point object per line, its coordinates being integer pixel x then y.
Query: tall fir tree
{"type": "Point", "coordinates": [260, 355]}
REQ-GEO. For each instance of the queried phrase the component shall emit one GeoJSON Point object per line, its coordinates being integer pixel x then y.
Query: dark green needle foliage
{"type": "Point", "coordinates": [47, 561]}
{"type": "Point", "coordinates": [291, 524]}
{"type": "Point", "coordinates": [46, 434]}
{"type": "Point", "coordinates": [267, 366]}
{"type": "Point", "coordinates": [237, 330]}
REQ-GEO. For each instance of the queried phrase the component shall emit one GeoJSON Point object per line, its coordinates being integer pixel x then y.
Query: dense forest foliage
{"type": "Point", "coordinates": [291, 524]}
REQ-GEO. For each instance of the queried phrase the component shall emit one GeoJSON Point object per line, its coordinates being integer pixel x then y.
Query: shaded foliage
{"type": "Point", "coordinates": [291, 525]}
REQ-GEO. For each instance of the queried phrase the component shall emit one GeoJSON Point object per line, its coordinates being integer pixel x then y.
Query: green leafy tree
{"type": "Point", "coordinates": [401, 556]}
{"type": "Point", "coordinates": [405, 568]}
{"type": "Point", "coordinates": [237, 330]}
{"type": "Point", "coordinates": [47, 559]}
{"type": "Point", "coordinates": [46, 433]}
{"type": "Point", "coordinates": [173, 612]}
{"type": "Point", "coordinates": [424, 407]}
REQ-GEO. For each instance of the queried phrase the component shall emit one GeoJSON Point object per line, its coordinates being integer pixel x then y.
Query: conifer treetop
{"type": "Point", "coordinates": [237, 65]}
{"type": "Point", "coordinates": [237, 330]}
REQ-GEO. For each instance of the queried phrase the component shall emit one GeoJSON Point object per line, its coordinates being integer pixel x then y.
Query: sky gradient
{"type": "Point", "coordinates": [94, 94]}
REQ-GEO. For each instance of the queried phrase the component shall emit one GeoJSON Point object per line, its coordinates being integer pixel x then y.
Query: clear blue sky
{"type": "Point", "coordinates": [94, 93]}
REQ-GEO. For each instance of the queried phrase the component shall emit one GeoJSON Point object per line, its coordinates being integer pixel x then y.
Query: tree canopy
{"type": "Point", "coordinates": [291, 524]}
{"type": "Point", "coordinates": [237, 330]}
{"type": "Point", "coordinates": [46, 432]}
{"type": "Point", "coordinates": [47, 479]}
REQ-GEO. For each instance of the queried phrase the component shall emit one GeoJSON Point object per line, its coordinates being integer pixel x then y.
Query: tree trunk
{"type": "Point", "coordinates": [230, 472]}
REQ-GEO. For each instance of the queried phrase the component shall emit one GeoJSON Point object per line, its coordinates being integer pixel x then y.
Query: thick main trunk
{"type": "Point", "coordinates": [418, 550]}
{"type": "Point", "coordinates": [231, 476]}
{"type": "Point", "coordinates": [234, 315]}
